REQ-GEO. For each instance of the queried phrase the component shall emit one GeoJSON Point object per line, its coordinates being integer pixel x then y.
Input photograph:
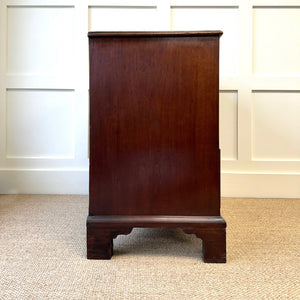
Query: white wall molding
{"type": "Point", "coordinates": [260, 185]}
{"type": "Point", "coordinates": [44, 181]}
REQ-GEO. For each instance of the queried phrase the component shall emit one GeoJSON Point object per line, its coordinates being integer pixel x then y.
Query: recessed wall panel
{"type": "Point", "coordinates": [39, 124]}
{"type": "Point", "coordinates": [213, 18]}
{"type": "Point", "coordinates": [276, 41]}
{"type": "Point", "coordinates": [228, 124]}
{"type": "Point", "coordinates": [276, 126]}
{"type": "Point", "coordinates": [39, 40]}
{"type": "Point", "coordinates": [103, 18]}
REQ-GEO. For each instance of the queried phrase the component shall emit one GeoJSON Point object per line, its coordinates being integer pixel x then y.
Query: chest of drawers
{"type": "Point", "coordinates": [154, 138]}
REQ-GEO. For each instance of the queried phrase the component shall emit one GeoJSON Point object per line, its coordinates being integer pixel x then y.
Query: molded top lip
{"type": "Point", "coordinates": [95, 34]}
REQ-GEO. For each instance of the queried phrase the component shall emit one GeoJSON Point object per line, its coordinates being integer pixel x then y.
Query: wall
{"type": "Point", "coordinates": [44, 88]}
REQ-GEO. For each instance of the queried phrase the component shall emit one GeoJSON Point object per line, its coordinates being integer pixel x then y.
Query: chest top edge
{"type": "Point", "coordinates": [122, 34]}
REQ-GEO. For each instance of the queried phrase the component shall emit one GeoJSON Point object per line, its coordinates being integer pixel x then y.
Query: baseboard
{"type": "Point", "coordinates": [260, 185]}
{"type": "Point", "coordinates": [44, 182]}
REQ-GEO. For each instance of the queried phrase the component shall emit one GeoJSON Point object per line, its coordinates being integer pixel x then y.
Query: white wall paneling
{"type": "Point", "coordinates": [39, 124]}
{"type": "Point", "coordinates": [228, 124]}
{"type": "Point", "coordinates": [108, 18]}
{"type": "Point", "coordinates": [31, 32]}
{"type": "Point", "coordinates": [44, 88]}
{"type": "Point", "coordinates": [276, 29]}
{"type": "Point", "coordinates": [276, 125]}
{"type": "Point", "coordinates": [43, 97]}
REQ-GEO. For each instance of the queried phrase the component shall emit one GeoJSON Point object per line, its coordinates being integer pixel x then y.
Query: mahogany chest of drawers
{"type": "Point", "coordinates": [154, 138]}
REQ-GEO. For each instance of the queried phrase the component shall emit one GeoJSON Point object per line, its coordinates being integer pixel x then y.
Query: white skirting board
{"type": "Point", "coordinates": [76, 182]}
{"type": "Point", "coordinates": [260, 185]}
{"type": "Point", "coordinates": [44, 182]}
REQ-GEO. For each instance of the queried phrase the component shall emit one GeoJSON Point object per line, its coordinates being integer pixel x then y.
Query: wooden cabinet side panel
{"type": "Point", "coordinates": [154, 126]}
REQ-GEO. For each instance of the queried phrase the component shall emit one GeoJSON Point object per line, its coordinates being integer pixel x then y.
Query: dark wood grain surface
{"type": "Point", "coordinates": [154, 138]}
{"type": "Point", "coordinates": [154, 126]}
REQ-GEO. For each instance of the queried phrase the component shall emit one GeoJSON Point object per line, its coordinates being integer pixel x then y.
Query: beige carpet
{"type": "Point", "coordinates": [42, 254]}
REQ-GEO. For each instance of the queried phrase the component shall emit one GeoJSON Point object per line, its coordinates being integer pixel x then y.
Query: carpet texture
{"type": "Point", "coordinates": [42, 254]}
